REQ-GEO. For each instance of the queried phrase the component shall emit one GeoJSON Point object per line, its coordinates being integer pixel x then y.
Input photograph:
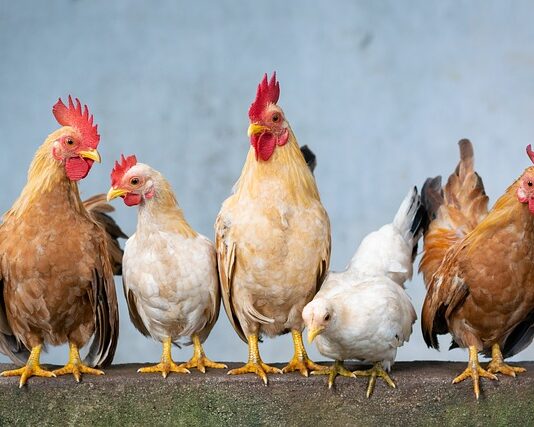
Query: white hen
{"type": "Point", "coordinates": [169, 270]}
{"type": "Point", "coordinates": [364, 313]}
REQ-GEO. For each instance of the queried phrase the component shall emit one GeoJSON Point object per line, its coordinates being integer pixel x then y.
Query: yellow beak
{"type": "Point", "coordinates": [91, 154]}
{"type": "Point", "coordinates": [113, 193]}
{"type": "Point", "coordinates": [255, 128]}
{"type": "Point", "coordinates": [312, 333]}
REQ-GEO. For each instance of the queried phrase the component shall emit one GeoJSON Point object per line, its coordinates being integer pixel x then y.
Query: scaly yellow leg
{"type": "Point", "coordinates": [199, 359]}
{"type": "Point", "coordinates": [497, 364]}
{"type": "Point", "coordinates": [31, 369]}
{"type": "Point", "coordinates": [332, 372]}
{"type": "Point", "coordinates": [75, 365]}
{"type": "Point", "coordinates": [255, 365]}
{"type": "Point", "coordinates": [300, 361]}
{"type": "Point", "coordinates": [376, 371]}
{"type": "Point", "coordinates": [166, 365]}
{"type": "Point", "coordinates": [474, 371]}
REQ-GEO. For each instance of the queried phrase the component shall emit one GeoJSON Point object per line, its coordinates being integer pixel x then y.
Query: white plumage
{"type": "Point", "coordinates": [170, 273]}
{"type": "Point", "coordinates": [364, 313]}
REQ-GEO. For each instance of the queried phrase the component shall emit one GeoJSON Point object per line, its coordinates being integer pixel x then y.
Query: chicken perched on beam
{"type": "Point", "coordinates": [272, 237]}
{"type": "Point", "coordinates": [169, 270]}
{"type": "Point", "coordinates": [364, 313]}
{"type": "Point", "coordinates": [478, 268]}
{"type": "Point", "coordinates": [57, 257]}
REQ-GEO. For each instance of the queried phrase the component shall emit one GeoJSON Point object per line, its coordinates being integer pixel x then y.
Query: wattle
{"type": "Point", "coordinates": [265, 144]}
{"type": "Point", "coordinates": [78, 168]}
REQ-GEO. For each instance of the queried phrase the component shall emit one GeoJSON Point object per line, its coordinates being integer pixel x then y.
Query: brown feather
{"type": "Point", "coordinates": [99, 209]}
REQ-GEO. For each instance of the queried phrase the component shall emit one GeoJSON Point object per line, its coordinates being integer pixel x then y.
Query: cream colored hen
{"type": "Point", "coordinates": [169, 270]}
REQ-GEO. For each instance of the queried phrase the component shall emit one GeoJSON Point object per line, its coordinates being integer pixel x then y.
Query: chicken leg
{"type": "Point", "coordinates": [75, 365]}
{"type": "Point", "coordinates": [497, 364]}
{"type": "Point", "coordinates": [474, 371]}
{"type": "Point", "coordinates": [31, 369]}
{"type": "Point", "coordinates": [300, 361]}
{"type": "Point", "coordinates": [376, 371]}
{"type": "Point", "coordinates": [255, 365]}
{"type": "Point", "coordinates": [336, 369]}
{"type": "Point", "coordinates": [199, 359]}
{"type": "Point", "coordinates": [166, 365]}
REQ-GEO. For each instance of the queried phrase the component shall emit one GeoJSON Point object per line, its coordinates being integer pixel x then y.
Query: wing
{"type": "Point", "coordinates": [226, 253]}
{"type": "Point", "coordinates": [104, 303]}
{"type": "Point", "coordinates": [324, 264]}
{"type": "Point", "coordinates": [445, 293]}
{"type": "Point", "coordinates": [99, 210]}
{"type": "Point", "coordinates": [131, 301]}
{"type": "Point", "coordinates": [215, 297]}
{"type": "Point", "coordinates": [9, 344]}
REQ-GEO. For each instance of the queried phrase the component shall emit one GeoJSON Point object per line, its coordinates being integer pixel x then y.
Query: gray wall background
{"type": "Point", "coordinates": [381, 90]}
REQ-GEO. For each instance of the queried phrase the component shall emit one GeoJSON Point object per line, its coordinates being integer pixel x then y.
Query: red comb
{"type": "Point", "coordinates": [121, 168]}
{"type": "Point", "coordinates": [530, 152]}
{"type": "Point", "coordinates": [268, 93]}
{"type": "Point", "coordinates": [82, 121]}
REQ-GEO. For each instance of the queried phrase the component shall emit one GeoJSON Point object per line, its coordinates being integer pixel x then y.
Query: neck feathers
{"type": "Point", "coordinates": [286, 167]}
{"type": "Point", "coordinates": [163, 211]}
{"type": "Point", "coordinates": [46, 179]}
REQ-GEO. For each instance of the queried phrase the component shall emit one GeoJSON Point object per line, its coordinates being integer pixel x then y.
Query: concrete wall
{"type": "Point", "coordinates": [381, 90]}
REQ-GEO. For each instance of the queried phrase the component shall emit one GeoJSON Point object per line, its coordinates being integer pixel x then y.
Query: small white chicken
{"type": "Point", "coordinates": [169, 274]}
{"type": "Point", "coordinates": [364, 313]}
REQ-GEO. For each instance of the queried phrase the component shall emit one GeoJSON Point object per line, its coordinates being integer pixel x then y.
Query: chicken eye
{"type": "Point", "coordinates": [276, 117]}
{"type": "Point", "coordinates": [529, 183]}
{"type": "Point", "coordinates": [69, 141]}
{"type": "Point", "coordinates": [134, 181]}
{"type": "Point", "coordinates": [327, 317]}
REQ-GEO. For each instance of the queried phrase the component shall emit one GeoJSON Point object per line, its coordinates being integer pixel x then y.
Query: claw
{"type": "Point", "coordinates": [474, 371]}
{"type": "Point", "coordinates": [497, 364]}
{"type": "Point", "coordinates": [199, 359]}
{"type": "Point", "coordinates": [165, 368]}
{"type": "Point", "coordinates": [75, 365]}
{"type": "Point", "coordinates": [373, 373]}
{"type": "Point", "coordinates": [300, 361]}
{"type": "Point", "coordinates": [259, 368]}
{"type": "Point", "coordinates": [332, 372]}
{"type": "Point", "coordinates": [31, 369]}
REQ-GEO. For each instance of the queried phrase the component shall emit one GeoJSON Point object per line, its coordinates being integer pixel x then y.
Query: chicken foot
{"type": "Point", "coordinates": [332, 372]}
{"type": "Point", "coordinates": [75, 365]}
{"type": "Point", "coordinates": [166, 365]}
{"type": "Point", "coordinates": [300, 361]}
{"type": "Point", "coordinates": [255, 365]}
{"type": "Point", "coordinates": [474, 371]}
{"type": "Point", "coordinates": [376, 371]}
{"type": "Point", "coordinates": [497, 364]}
{"type": "Point", "coordinates": [31, 369]}
{"type": "Point", "coordinates": [199, 359]}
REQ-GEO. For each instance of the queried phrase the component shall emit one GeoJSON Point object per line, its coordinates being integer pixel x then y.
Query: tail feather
{"type": "Point", "coordinates": [452, 212]}
{"type": "Point", "coordinates": [410, 219]}
{"type": "Point", "coordinates": [99, 210]}
{"type": "Point", "coordinates": [309, 157]}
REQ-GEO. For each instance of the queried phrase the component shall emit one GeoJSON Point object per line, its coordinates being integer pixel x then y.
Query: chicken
{"type": "Point", "coordinates": [478, 268]}
{"type": "Point", "coordinates": [56, 259]}
{"type": "Point", "coordinates": [170, 274]}
{"type": "Point", "coordinates": [364, 312]}
{"type": "Point", "coordinates": [272, 237]}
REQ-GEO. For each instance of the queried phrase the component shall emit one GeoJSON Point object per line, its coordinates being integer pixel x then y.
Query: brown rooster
{"type": "Point", "coordinates": [478, 268]}
{"type": "Point", "coordinates": [272, 237]}
{"type": "Point", "coordinates": [57, 257]}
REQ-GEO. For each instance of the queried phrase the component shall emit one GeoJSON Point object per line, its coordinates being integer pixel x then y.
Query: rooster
{"type": "Point", "coordinates": [170, 271]}
{"type": "Point", "coordinates": [57, 257]}
{"type": "Point", "coordinates": [272, 237]}
{"type": "Point", "coordinates": [478, 269]}
{"type": "Point", "coordinates": [364, 312]}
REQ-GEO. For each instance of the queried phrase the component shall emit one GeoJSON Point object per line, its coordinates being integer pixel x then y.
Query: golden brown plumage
{"type": "Point", "coordinates": [272, 237]}
{"type": "Point", "coordinates": [480, 291]}
{"type": "Point", "coordinates": [56, 278]}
